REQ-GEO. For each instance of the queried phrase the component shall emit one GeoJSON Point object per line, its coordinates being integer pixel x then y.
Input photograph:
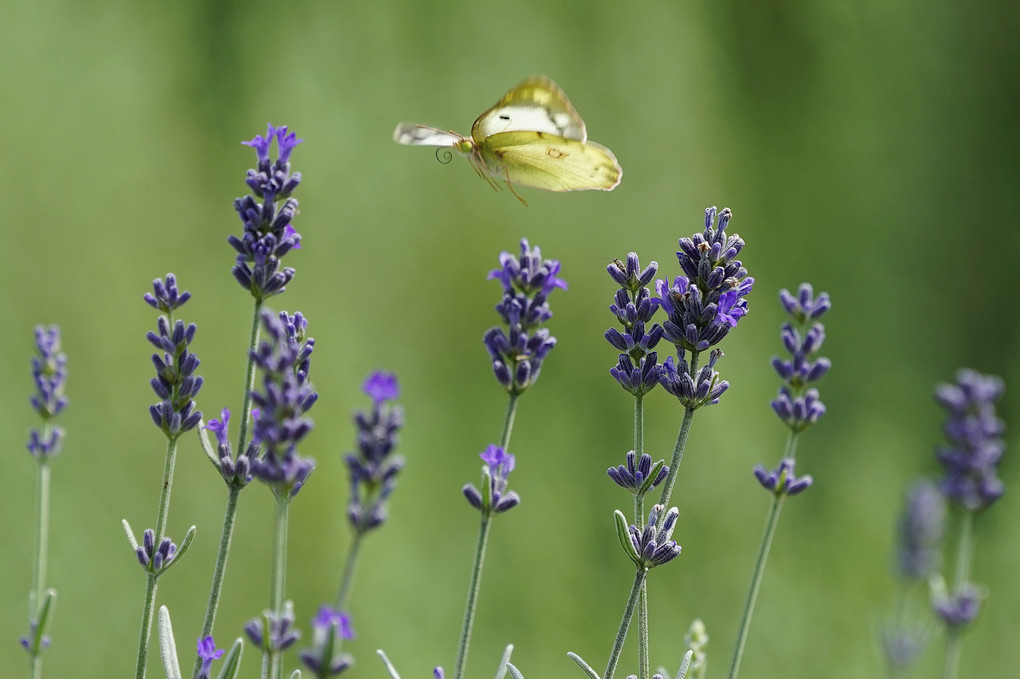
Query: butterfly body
{"type": "Point", "coordinates": [531, 137]}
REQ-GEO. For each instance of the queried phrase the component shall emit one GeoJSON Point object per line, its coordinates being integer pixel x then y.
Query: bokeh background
{"type": "Point", "coordinates": [868, 147]}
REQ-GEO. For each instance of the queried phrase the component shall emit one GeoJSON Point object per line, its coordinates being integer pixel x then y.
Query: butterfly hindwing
{"type": "Point", "coordinates": [550, 162]}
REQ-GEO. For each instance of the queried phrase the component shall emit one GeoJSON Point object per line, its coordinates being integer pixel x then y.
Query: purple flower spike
{"type": "Point", "coordinates": [651, 545]}
{"type": "Point", "coordinates": [267, 217]}
{"type": "Point", "coordinates": [921, 528]}
{"type": "Point", "coordinates": [705, 303]}
{"type": "Point", "coordinates": [285, 396]}
{"type": "Point", "coordinates": [637, 370]}
{"type": "Point", "coordinates": [372, 468]}
{"type": "Point", "coordinates": [494, 498]}
{"type": "Point", "coordinates": [704, 389]}
{"type": "Point", "coordinates": [975, 446]}
{"type": "Point", "coordinates": [518, 350]}
{"type": "Point", "coordinates": [782, 480]}
{"type": "Point", "coordinates": [437, 673]}
{"type": "Point", "coordinates": [175, 383]}
{"type": "Point", "coordinates": [207, 652]}
{"type": "Point", "coordinates": [797, 405]}
{"type": "Point", "coordinates": [49, 373]}
{"type": "Point", "coordinates": [165, 297]}
{"type": "Point", "coordinates": [958, 609]}
{"type": "Point", "coordinates": [273, 631]}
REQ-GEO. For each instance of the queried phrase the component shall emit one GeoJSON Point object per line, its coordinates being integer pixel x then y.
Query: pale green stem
{"type": "Point", "coordinates": [472, 598]}
{"type": "Point", "coordinates": [628, 613]}
{"type": "Point", "coordinates": [221, 566]}
{"type": "Point", "coordinates": [639, 512]}
{"type": "Point", "coordinates": [41, 549]}
{"type": "Point", "coordinates": [678, 454]}
{"type": "Point", "coordinates": [508, 422]}
{"type": "Point", "coordinates": [759, 567]}
{"type": "Point", "coordinates": [220, 569]}
{"type": "Point", "coordinates": [347, 579]}
{"type": "Point", "coordinates": [964, 557]}
{"type": "Point", "coordinates": [278, 576]}
{"type": "Point", "coordinates": [149, 604]}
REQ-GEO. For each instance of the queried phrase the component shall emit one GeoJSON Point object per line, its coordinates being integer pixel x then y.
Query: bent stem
{"type": "Point", "coordinates": [964, 557]}
{"type": "Point", "coordinates": [759, 567]}
{"type": "Point", "coordinates": [149, 603]}
{"type": "Point", "coordinates": [628, 613]}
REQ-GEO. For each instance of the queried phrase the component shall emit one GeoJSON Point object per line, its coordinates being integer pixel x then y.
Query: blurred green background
{"type": "Point", "coordinates": [868, 147]}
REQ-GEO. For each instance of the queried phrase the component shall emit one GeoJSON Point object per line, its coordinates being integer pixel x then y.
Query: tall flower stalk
{"type": "Point", "coordinates": [266, 215]}
{"type": "Point", "coordinates": [970, 460]}
{"type": "Point", "coordinates": [49, 373]}
{"type": "Point", "coordinates": [517, 350]}
{"type": "Point", "coordinates": [798, 407]}
{"type": "Point", "coordinates": [176, 384]}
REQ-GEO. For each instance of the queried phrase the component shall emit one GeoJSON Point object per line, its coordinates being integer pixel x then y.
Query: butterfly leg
{"type": "Point", "coordinates": [506, 177]}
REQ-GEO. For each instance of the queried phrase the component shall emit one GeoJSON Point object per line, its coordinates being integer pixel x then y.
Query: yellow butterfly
{"type": "Point", "coordinates": [532, 137]}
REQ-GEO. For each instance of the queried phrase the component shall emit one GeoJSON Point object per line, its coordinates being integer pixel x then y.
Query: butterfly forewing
{"type": "Point", "coordinates": [413, 134]}
{"type": "Point", "coordinates": [535, 105]}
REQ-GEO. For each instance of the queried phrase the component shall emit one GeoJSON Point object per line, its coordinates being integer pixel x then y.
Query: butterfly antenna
{"type": "Point", "coordinates": [444, 155]}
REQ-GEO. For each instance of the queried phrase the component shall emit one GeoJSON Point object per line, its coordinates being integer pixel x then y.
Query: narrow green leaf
{"type": "Point", "coordinates": [129, 533]}
{"type": "Point", "coordinates": [684, 665]}
{"type": "Point", "coordinates": [501, 671]}
{"type": "Point", "coordinates": [49, 598]}
{"type": "Point", "coordinates": [646, 485]}
{"type": "Point", "coordinates": [592, 674]}
{"type": "Point", "coordinates": [296, 674]}
{"type": "Point", "coordinates": [188, 539]}
{"type": "Point", "coordinates": [167, 647]}
{"type": "Point", "coordinates": [232, 662]}
{"type": "Point", "coordinates": [624, 535]}
{"type": "Point", "coordinates": [389, 666]}
{"type": "Point", "coordinates": [514, 672]}
{"type": "Point", "coordinates": [207, 447]}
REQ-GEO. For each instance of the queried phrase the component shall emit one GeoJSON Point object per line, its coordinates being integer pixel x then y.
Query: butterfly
{"type": "Point", "coordinates": [531, 137]}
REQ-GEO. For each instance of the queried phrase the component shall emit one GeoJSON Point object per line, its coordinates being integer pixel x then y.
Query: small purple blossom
{"type": "Point", "coordinates": [704, 390]}
{"type": "Point", "coordinates": [639, 476]}
{"type": "Point", "coordinates": [494, 498]}
{"type": "Point", "coordinates": [958, 608]}
{"type": "Point", "coordinates": [175, 382]}
{"type": "Point", "coordinates": [273, 631]}
{"type": "Point", "coordinates": [28, 640]}
{"type": "Point", "coordinates": [155, 558]}
{"type": "Point", "coordinates": [49, 373]}
{"type": "Point", "coordinates": [975, 446]}
{"type": "Point", "coordinates": [782, 480]}
{"type": "Point", "coordinates": [268, 230]}
{"type": "Point", "coordinates": [706, 302]}
{"type": "Point", "coordinates": [372, 469]}
{"type": "Point", "coordinates": [328, 628]}
{"type": "Point", "coordinates": [650, 545]}
{"type": "Point", "coordinates": [285, 396]}
{"type": "Point", "coordinates": [517, 352]}
{"type": "Point", "coordinates": [235, 472]}
{"type": "Point", "coordinates": [165, 296]}
{"type": "Point", "coordinates": [636, 370]}
{"type": "Point", "coordinates": [207, 652]}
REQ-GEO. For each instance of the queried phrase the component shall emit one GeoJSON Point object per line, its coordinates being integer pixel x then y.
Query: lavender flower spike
{"type": "Point", "coordinates": [268, 231]}
{"type": "Point", "coordinates": [705, 303]}
{"type": "Point", "coordinates": [328, 628]}
{"type": "Point", "coordinates": [207, 652]}
{"type": "Point", "coordinates": [693, 393]}
{"type": "Point", "coordinates": [921, 529]}
{"type": "Point", "coordinates": [797, 405]}
{"type": "Point", "coordinates": [639, 477]}
{"type": "Point", "coordinates": [517, 352]}
{"type": "Point", "coordinates": [49, 373]}
{"type": "Point", "coordinates": [271, 632]}
{"type": "Point", "coordinates": [649, 546]}
{"type": "Point", "coordinates": [175, 382]}
{"type": "Point", "coordinates": [372, 468]}
{"type": "Point", "coordinates": [975, 447]}
{"type": "Point", "coordinates": [637, 370]}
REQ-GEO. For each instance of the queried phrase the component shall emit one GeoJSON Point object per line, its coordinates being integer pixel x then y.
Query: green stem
{"type": "Point", "coordinates": [347, 579]}
{"type": "Point", "coordinates": [41, 550]}
{"type": "Point", "coordinates": [278, 576]}
{"type": "Point", "coordinates": [678, 454]}
{"type": "Point", "coordinates": [221, 566]}
{"type": "Point", "coordinates": [964, 558]}
{"type": "Point", "coordinates": [628, 613]}
{"type": "Point", "coordinates": [639, 512]}
{"type": "Point", "coordinates": [508, 422]}
{"type": "Point", "coordinates": [150, 588]}
{"type": "Point", "coordinates": [249, 378]}
{"type": "Point", "coordinates": [472, 598]}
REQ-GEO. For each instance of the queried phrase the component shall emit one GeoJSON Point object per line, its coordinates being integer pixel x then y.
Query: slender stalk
{"type": "Point", "coordinates": [628, 613]}
{"type": "Point", "coordinates": [149, 604]}
{"type": "Point", "coordinates": [759, 565]}
{"type": "Point", "coordinates": [639, 512]}
{"type": "Point", "coordinates": [347, 579]}
{"type": "Point", "coordinates": [508, 422]}
{"type": "Point", "coordinates": [472, 598]}
{"type": "Point", "coordinates": [42, 531]}
{"type": "Point", "coordinates": [233, 492]}
{"type": "Point", "coordinates": [964, 557]}
{"type": "Point", "coordinates": [278, 576]}
{"type": "Point", "coordinates": [678, 454]}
